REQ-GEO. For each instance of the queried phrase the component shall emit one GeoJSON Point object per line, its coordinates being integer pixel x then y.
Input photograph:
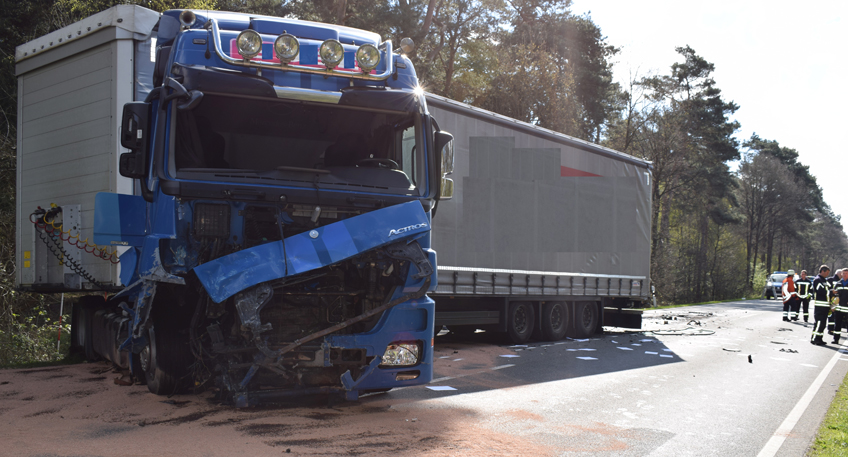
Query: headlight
{"type": "Point", "coordinates": [249, 44]}
{"type": "Point", "coordinates": [368, 57]}
{"type": "Point", "coordinates": [287, 47]}
{"type": "Point", "coordinates": [332, 53]}
{"type": "Point", "coordinates": [402, 354]}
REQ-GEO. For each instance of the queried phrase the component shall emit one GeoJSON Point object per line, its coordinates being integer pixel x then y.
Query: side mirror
{"type": "Point", "coordinates": [444, 144]}
{"type": "Point", "coordinates": [134, 135]}
{"type": "Point", "coordinates": [446, 189]}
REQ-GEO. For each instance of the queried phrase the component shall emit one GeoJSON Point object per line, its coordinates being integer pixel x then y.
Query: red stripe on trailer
{"type": "Point", "coordinates": [567, 172]}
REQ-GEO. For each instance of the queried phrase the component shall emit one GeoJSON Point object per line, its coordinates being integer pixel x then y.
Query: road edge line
{"type": "Point", "coordinates": [776, 441]}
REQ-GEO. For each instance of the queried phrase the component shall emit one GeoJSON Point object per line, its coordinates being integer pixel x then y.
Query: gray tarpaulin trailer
{"type": "Point", "coordinates": [544, 232]}
{"type": "Point", "coordinates": [72, 87]}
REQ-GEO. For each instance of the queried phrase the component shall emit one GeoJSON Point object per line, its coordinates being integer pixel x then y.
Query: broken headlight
{"type": "Point", "coordinates": [402, 354]}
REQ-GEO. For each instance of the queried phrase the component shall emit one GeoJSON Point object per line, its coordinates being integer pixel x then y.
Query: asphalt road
{"type": "Point", "coordinates": [724, 379]}
{"type": "Point", "coordinates": [727, 380]}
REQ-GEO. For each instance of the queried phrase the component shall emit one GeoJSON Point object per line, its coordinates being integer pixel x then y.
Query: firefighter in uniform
{"type": "Point", "coordinates": [804, 287]}
{"type": "Point", "coordinates": [790, 296]}
{"type": "Point", "coordinates": [821, 305]}
{"type": "Point", "coordinates": [840, 314]}
{"type": "Point", "coordinates": [837, 276]}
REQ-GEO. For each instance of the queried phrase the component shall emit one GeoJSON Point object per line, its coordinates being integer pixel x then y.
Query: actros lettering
{"type": "Point", "coordinates": [406, 229]}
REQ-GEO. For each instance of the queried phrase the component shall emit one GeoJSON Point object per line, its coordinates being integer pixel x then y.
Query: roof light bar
{"type": "Point", "coordinates": [331, 71]}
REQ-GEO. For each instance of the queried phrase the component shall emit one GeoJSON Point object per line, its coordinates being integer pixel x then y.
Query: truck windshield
{"type": "Point", "coordinates": [293, 143]}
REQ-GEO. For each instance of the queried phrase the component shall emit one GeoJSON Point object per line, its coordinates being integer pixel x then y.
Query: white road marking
{"type": "Point", "coordinates": [774, 443]}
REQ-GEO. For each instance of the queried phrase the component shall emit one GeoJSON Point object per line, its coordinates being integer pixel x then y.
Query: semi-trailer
{"type": "Point", "coordinates": [545, 234]}
{"type": "Point", "coordinates": [247, 202]}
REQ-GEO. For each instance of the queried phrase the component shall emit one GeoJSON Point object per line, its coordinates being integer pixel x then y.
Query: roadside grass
{"type": "Point", "coordinates": [832, 437]}
{"type": "Point", "coordinates": [68, 359]}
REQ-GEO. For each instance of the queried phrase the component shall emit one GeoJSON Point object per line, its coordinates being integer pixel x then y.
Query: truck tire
{"type": "Point", "coordinates": [554, 320]}
{"type": "Point", "coordinates": [77, 345]}
{"type": "Point", "coordinates": [520, 322]}
{"type": "Point", "coordinates": [82, 314]}
{"type": "Point", "coordinates": [166, 361]}
{"type": "Point", "coordinates": [585, 318]}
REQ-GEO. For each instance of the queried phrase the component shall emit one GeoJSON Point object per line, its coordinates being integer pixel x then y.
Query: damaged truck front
{"type": "Point", "coordinates": [276, 240]}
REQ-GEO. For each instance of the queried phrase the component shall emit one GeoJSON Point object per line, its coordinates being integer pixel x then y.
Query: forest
{"type": "Point", "coordinates": [726, 211]}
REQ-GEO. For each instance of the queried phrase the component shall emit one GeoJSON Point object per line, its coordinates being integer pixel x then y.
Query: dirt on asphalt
{"type": "Point", "coordinates": [81, 409]}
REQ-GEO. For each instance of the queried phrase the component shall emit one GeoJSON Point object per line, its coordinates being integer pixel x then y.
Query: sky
{"type": "Point", "coordinates": [784, 63]}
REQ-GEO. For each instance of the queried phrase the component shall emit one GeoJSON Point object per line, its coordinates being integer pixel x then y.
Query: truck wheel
{"type": "Point", "coordinates": [137, 368]}
{"type": "Point", "coordinates": [586, 319]}
{"type": "Point", "coordinates": [77, 333]}
{"type": "Point", "coordinates": [520, 322]}
{"type": "Point", "coordinates": [166, 361]}
{"type": "Point", "coordinates": [81, 325]}
{"type": "Point", "coordinates": [554, 320]}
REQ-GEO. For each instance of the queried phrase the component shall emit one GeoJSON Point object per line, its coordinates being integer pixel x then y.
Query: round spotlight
{"type": "Point", "coordinates": [287, 47]}
{"type": "Point", "coordinates": [187, 18]}
{"type": "Point", "coordinates": [332, 53]}
{"type": "Point", "coordinates": [407, 45]}
{"type": "Point", "coordinates": [368, 57]}
{"type": "Point", "coordinates": [249, 44]}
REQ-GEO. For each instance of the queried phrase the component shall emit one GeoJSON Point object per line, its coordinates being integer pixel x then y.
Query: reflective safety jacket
{"type": "Point", "coordinates": [788, 288]}
{"type": "Point", "coordinates": [821, 291]}
{"type": "Point", "coordinates": [841, 288]}
{"type": "Point", "coordinates": [805, 288]}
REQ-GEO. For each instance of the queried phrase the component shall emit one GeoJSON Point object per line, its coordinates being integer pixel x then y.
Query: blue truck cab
{"type": "Point", "coordinates": [278, 237]}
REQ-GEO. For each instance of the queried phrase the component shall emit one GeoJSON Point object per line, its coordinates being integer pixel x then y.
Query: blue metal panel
{"type": "Point", "coordinates": [309, 54]}
{"type": "Point", "coordinates": [165, 224]}
{"type": "Point", "coordinates": [226, 276]}
{"type": "Point", "coordinates": [119, 219]}
{"type": "Point", "coordinates": [129, 261]}
{"type": "Point", "coordinates": [310, 31]}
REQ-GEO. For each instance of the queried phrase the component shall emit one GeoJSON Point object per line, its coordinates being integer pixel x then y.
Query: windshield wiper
{"type": "Point", "coordinates": [319, 171]}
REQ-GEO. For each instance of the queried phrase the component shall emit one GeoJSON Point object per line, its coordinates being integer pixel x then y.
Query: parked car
{"type": "Point", "coordinates": [773, 285]}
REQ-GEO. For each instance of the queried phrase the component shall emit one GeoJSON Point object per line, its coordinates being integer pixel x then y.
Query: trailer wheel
{"type": "Point", "coordinates": [586, 319]}
{"type": "Point", "coordinates": [520, 322]}
{"type": "Point", "coordinates": [81, 325]}
{"type": "Point", "coordinates": [165, 361]}
{"type": "Point", "coordinates": [554, 320]}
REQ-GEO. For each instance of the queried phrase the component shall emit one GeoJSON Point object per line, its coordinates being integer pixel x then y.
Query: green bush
{"type": "Point", "coordinates": [30, 336]}
{"type": "Point", "coordinates": [760, 277]}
